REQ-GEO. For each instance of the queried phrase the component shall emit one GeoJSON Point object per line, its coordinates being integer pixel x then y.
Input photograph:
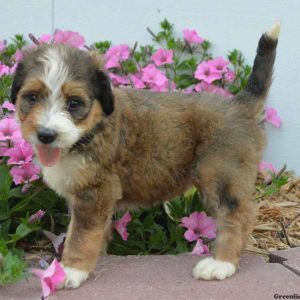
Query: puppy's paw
{"type": "Point", "coordinates": [210, 268]}
{"type": "Point", "coordinates": [74, 278]}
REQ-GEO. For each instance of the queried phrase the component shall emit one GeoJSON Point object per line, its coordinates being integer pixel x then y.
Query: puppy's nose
{"type": "Point", "coordinates": [46, 135]}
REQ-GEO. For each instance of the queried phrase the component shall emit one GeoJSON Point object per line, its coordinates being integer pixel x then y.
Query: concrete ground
{"type": "Point", "coordinates": [169, 277]}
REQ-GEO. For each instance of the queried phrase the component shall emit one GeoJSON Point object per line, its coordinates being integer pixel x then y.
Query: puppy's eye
{"type": "Point", "coordinates": [32, 99]}
{"type": "Point", "coordinates": [74, 103]}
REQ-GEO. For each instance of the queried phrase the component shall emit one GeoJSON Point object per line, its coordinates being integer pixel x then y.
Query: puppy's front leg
{"type": "Point", "coordinates": [91, 217]}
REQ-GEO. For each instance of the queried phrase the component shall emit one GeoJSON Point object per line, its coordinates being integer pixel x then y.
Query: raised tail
{"type": "Point", "coordinates": [254, 94]}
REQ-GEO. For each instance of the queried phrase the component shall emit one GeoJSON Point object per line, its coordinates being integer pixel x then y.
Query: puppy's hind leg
{"type": "Point", "coordinates": [234, 216]}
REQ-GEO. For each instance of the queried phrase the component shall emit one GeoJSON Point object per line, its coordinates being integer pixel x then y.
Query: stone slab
{"type": "Point", "coordinates": [289, 258]}
{"type": "Point", "coordinates": [167, 277]}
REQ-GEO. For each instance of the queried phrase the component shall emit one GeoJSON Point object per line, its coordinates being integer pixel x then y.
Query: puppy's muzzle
{"type": "Point", "coordinates": [46, 135]}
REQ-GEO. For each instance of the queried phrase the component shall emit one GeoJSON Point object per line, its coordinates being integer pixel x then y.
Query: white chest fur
{"type": "Point", "coordinates": [65, 175]}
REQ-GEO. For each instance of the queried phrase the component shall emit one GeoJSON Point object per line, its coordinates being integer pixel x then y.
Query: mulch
{"type": "Point", "coordinates": [278, 219]}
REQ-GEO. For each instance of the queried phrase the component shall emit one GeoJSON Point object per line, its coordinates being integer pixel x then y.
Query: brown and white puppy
{"type": "Point", "coordinates": [103, 149]}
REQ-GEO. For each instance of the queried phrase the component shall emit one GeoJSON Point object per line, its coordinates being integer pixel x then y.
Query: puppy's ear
{"type": "Point", "coordinates": [102, 91]}
{"type": "Point", "coordinates": [17, 82]}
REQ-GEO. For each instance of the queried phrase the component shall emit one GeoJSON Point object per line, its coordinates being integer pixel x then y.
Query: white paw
{"type": "Point", "coordinates": [210, 268]}
{"type": "Point", "coordinates": [74, 278]}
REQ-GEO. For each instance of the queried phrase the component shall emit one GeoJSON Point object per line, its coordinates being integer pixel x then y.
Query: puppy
{"type": "Point", "coordinates": [104, 148]}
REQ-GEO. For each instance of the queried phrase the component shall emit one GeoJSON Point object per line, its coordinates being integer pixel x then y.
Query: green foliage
{"type": "Point", "coordinates": [276, 184]}
{"type": "Point", "coordinates": [157, 230]}
{"type": "Point", "coordinates": [11, 266]}
{"type": "Point", "coordinates": [15, 209]}
{"type": "Point", "coordinates": [186, 58]}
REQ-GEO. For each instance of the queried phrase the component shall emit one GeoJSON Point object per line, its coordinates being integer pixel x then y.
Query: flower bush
{"type": "Point", "coordinates": [180, 64]}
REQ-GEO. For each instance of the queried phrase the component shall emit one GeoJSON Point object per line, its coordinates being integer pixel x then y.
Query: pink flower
{"type": "Point", "coordinates": [46, 38]}
{"type": "Point", "coordinates": [12, 70]}
{"type": "Point", "coordinates": [137, 81]}
{"type": "Point", "coordinates": [120, 225]}
{"type": "Point", "coordinates": [3, 148]}
{"type": "Point", "coordinates": [219, 63]}
{"type": "Point", "coordinates": [162, 57]}
{"type": "Point", "coordinates": [37, 216]}
{"type": "Point", "coordinates": [25, 173]}
{"type": "Point", "coordinates": [50, 278]}
{"type": "Point", "coordinates": [114, 55]}
{"type": "Point", "coordinates": [198, 225]}
{"type": "Point", "coordinates": [9, 130]}
{"type": "Point", "coordinates": [154, 78]}
{"type": "Point", "coordinates": [20, 154]}
{"type": "Point", "coordinates": [206, 72]}
{"type": "Point", "coordinates": [189, 90]}
{"type": "Point", "coordinates": [266, 166]}
{"type": "Point", "coordinates": [18, 56]}
{"type": "Point", "coordinates": [70, 38]}
{"type": "Point", "coordinates": [9, 106]}
{"type": "Point", "coordinates": [191, 36]}
{"type": "Point", "coordinates": [4, 70]}
{"type": "Point", "coordinates": [267, 169]}
{"type": "Point", "coordinates": [118, 80]}
{"type": "Point", "coordinates": [2, 46]}
{"type": "Point", "coordinates": [57, 241]}
{"type": "Point", "coordinates": [210, 88]}
{"type": "Point", "coordinates": [200, 248]}
{"type": "Point", "coordinates": [272, 117]}
{"type": "Point", "coordinates": [229, 76]}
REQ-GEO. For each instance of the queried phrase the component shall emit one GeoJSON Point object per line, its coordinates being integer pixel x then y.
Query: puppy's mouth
{"type": "Point", "coordinates": [47, 155]}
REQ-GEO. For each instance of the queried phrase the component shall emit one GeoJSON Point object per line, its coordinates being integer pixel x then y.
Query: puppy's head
{"type": "Point", "coordinates": [61, 94]}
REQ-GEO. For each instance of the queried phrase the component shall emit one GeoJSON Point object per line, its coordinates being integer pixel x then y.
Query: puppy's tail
{"type": "Point", "coordinates": [252, 98]}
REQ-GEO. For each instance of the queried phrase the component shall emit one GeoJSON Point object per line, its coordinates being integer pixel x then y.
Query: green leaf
{"type": "Point", "coordinates": [5, 182]}
{"type": "Point", "coordinates": [4, 229]}
{"type": "Point", "coordinates": [16, 193]}
{"type": "Point", "coordinates": [12, 269]}
{"type": "Point", "coordinates": [4, 210]}
{"type": "Point", "coordinates": [22, 231]}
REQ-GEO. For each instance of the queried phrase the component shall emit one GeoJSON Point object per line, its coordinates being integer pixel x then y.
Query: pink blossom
{"type": "Point", "coordinates": [25, 173]}
{"type": "Point", "coordinates": [266, 166]}
{"type": "Point", "coordinates": [2, 46]}
{"type": "Point", "coordinates": [4, 70]}
{"type": "Point", "coordinates": [70, 38]}
{"type": "Point", "coordinates": [120, 225]}
{"type": "Point", "coordinates": [272, 117]}
{"type": "Point", "coordinates": [162, 57]}
{"type": "Point", "coordinates": [154, 78]}
{"type": "Point", "coordinates": [191, 36]}
{"type": "Point", "coordinates": [198, 225]}
{"type": "Point", "coordinates": [210, 88]}
{"type": "Point", "coordinates": [46, 38]}
{"type": "Point", "coordinates": [200, 248]}
{"type": "Point", "coordinates": [189, 90]}
{"type": "Point", "coordinates": [12, 69]}
{"type": "Point", "coordinates": [51, 278]}
{"type": "Point", "coordinates": [219, 63]}
{"type": "Point", "coordinates": [118, 80]}
{"type": "Point", "coordinates": [35, 217]}
{"type": "Point", "coordinates": [3, 148]}
{"type": "Point", "coordinates": [9, 130]}
{"type": "Point", "coordinates": [229, 76]}
{"type": "Point", "coordinates": [20, 154]}
{"type": "Point", "coordinates": [114, 55]}
{"type": "Point", "coordinates": [206, 72]}
{"type": "Point", "coordinates": [267, 169]}
{"type": "Point", "coordinates": [57, 241]}
{"type": "Point", "coordinates": [9, 106]}
{"type": "Point", "coordinates": [18, 56]}
{"type": "Point", "coordinates": [137, 81]}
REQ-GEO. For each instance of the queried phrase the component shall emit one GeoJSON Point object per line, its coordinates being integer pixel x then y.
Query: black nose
{"type": "Point", "coordinates": [46, 135]}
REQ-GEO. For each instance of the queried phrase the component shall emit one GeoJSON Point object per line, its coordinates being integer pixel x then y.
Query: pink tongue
{"type": "Point", "coordinates": [48, 156]}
